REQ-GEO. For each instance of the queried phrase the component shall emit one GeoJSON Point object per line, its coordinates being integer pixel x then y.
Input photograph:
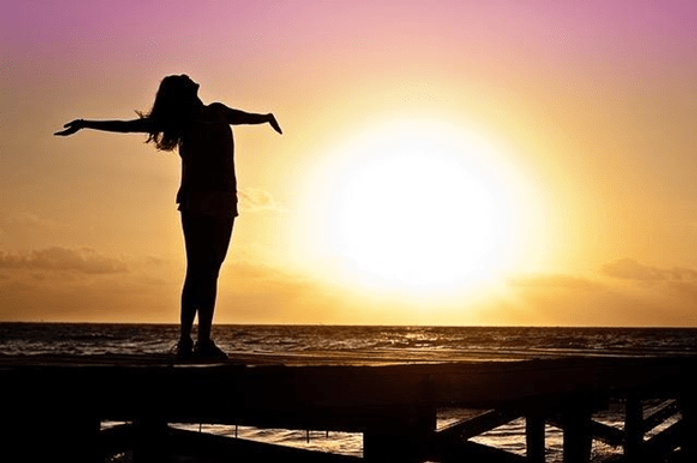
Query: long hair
{"type": "Point", "coordinates": [172, 112]}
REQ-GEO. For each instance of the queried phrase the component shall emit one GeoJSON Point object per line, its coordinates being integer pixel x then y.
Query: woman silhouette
{"type": "Point", "coordinates": [207, 196]}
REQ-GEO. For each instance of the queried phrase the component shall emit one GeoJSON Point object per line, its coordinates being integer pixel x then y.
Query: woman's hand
{"type": "Point", "coordinates": [274, 123]}
{"type": "Point", "coordinates": [71, 127]}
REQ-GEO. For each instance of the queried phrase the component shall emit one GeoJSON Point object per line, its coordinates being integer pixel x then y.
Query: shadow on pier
{"type": "Point", "coordinates": [57, 405]}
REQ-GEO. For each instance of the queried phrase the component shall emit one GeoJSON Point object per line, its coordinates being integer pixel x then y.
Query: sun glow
{"type": "Point", "coordinates": [419, 206]}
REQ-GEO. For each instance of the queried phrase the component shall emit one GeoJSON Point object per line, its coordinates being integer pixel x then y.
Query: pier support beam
{"type": "Point", "coordinates": [54, 435]}
{"type": "Point", "coordinates": [535, 437]}
{"type": "Point", "coordinates": [633, 427]}
{"type": "Point", "coordinates": [577, 432]}
{"type": "Point", "coordinates": [404, 436]}
{"type": "Point", "coordinates": [688, 408]}
{"type": "Point", "coordinates": [150, 440]}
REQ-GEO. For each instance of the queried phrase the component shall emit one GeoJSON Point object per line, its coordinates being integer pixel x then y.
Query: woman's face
{"type": "Point", "coordinates": [189, 84]}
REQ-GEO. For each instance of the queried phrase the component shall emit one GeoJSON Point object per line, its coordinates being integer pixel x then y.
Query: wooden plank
{"type": "Point", "coordinates": [607, 434]}
{"type": "Point", "coordinates": [470, 427]}
{"type": "Point", "coordinates": [203, 445]}
{"type": "Point", "coordinates": [449, 443]}
{"type": "Point", "coordinates": [294, 388]}
{"type": "Point", "coordinates": [665, 442]}
{"type": "Point", "coordinates": [667, 409]}
{"type": "Point", "coordinates": [599, 431]}
{"type": "Point", "coordinates": [190, 444]}
{"type": "Point", "coordinates": [473, 452]}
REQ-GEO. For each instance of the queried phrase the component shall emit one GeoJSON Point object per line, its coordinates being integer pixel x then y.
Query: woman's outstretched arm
{"type": "Point", "coordinates": [140, 125]}
{"type": "Point", "coordinates": [237, 117]}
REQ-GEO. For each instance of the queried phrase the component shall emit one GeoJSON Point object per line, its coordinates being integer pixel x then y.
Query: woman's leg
{"type": "Point", "coordinates": [207, 239]}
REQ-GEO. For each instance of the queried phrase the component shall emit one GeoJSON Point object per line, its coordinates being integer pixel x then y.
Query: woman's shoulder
{"type": "Point", "coordinates": [216, 108]}
{"type": "Point", "coordinates": [214, 112]}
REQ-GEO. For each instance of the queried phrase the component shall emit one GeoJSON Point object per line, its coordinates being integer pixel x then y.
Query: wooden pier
{"type": "Point", "coordinates": [54, 406]}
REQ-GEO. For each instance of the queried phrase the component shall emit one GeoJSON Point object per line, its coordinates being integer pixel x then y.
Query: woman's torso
{"type": "Point", "coordinates": [208, 183]}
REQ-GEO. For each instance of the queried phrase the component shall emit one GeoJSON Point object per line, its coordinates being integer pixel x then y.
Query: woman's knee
{"type": "Point", "coordinates": [203, 270]}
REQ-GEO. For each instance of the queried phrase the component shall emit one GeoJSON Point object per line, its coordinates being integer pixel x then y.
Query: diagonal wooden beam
{"type": "Point", "coordinates": [599, 431]}
{"type": "Point", "coordinates": [241, 450]}
{"type": "Point", "coordinates": [470, 427]}
{"type": "Point", "coordinates": [668, 408]}
{"type": "Point", "coordinates": [473, 452]}
{"type": "Point", "coordinates": [666, 441]}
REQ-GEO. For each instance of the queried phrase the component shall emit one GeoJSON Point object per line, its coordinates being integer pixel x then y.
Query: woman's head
{"type": "Point", "coordinates": [174, 108]}
{"type": "Point", "coordinates": [177, 89]}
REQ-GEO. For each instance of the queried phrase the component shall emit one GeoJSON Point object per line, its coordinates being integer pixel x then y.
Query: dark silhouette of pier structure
{"type": "Point", "coordinates": [54, 407]}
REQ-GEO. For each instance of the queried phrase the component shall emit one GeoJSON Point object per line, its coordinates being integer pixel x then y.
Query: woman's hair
{"type": "Point", "coordinates": [172, 112]}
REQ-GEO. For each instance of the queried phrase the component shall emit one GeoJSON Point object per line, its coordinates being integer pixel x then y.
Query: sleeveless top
{"type": "Point", "coordinates": [208, 182]}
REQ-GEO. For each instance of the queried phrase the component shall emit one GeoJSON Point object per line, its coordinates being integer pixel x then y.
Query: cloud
{"type": "Point", "coordinates": [61, 284]}
{"type": "Point", "coordinates": [27, 219]}
{"type": "Point", "coordinates": [682, 273]}
{"type": "Point", "coordinates": [625, 292]}
{"type": "Point", "coordinates": [65, 284]}
{"type": "Point", "coordinates": [61, 259]}
{"type": "Point", "coordinates": [676, 286]}
{"type": "Point", "coordinates": [558, 281]}
{"type": "Point", "coordinates": [630, 269]}
{"type": "Point", "coordinates": [21, 222]}
{"type": "Point", "coordinates": [84, 285]}
{"type": "Point", "coordinates": [257, 200]}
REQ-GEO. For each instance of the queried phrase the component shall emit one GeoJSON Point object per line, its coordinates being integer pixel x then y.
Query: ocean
{"type": "Point", "coordinates": [394, 343]}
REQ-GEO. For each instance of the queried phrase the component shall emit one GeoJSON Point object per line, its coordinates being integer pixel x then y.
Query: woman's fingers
{"type": "Point", "coordinates": [70, 128]}
{"type": "Point", "coordinates": [275, 125]}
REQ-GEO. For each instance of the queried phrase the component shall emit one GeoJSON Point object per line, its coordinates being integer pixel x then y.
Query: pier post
{"type": "Point", "coordinates": [41, 429]}
{"type": "Point", "coordinates": [400, 435]}
{"type": "Point", "coordinates": [577, 431]}
{"type": "Point", "coordinates": [535, 437]}
{"type": "Point", "coordinates": [150, 440]}
{"type": "Point", "coordinates": [633, 427]}
{"type": "Point", "coordinates": [81, 434]}
{"type": "Point", "coordinates": [54, 436]}
{"type": "Point", "coordinates": [688, 408]}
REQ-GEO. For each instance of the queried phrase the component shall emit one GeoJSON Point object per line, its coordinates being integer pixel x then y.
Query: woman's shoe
{"type": "Point", "coordinates": [207, 350]}
{"type": "Point", "coordinates": [184, 349]}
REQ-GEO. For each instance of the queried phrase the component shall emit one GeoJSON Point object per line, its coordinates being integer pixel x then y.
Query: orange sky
{"type": "Point", "coordinates": [553, 144]}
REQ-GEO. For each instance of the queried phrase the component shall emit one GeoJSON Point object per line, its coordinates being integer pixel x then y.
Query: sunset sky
{"type": "Point", "coordinates": [443, 162]}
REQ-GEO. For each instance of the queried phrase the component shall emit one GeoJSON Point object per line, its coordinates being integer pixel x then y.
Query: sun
{"type": "Point", "coordinates": [417, 205]}
{"type": "Point", "coordinates": [416, 219]}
